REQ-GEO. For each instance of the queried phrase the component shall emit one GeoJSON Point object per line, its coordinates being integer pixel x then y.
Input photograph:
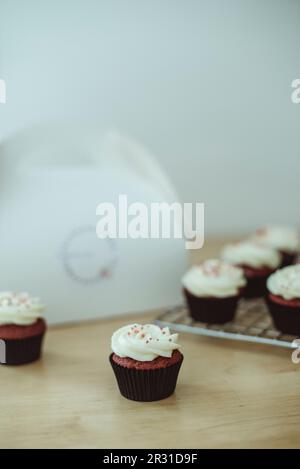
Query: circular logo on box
{"type": "Point", "coordinates": [88, 259]}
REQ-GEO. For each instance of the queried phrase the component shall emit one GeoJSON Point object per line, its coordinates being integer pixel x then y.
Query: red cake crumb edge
{"type": "Point", "coordinates": [294, 303]}
{"type": "Point", "coordinates": [15, 332]}
{"type": "Point", "coordinates": [251, 272]}
{"type": "Point", "coordinates": [159, 362]}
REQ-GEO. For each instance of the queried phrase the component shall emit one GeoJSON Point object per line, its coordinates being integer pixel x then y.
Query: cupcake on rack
{"type": "Point", "coordinates": [22, 328]}
{"type": "Point", "coordinates": [285, 239]}
{"type": "Point", "coordinates": [212, 290]}
{"type": "Point", "coordinates": [283, 299]}
{"type": "Point", "coordinates": [146, 361]}
{"type": "Point", "coordinates": [257, 261]}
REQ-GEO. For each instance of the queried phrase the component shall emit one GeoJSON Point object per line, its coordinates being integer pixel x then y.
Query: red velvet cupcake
{"type": "Point", "coordinates": [146, 361]}
{"type": "Point", "coordinates": [257, 261]}
{"type": "Point", "coordinates": [285, 239]}
{"type": "Point", "coordinates": [212, 291]}
{"type": "Point", "coordinates": [283, 299]}
{"type": "Point", "coordinates": [21, 328]}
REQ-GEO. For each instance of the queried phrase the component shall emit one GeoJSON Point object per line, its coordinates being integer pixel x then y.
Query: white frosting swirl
{"type": "Point", "coordinates": [214, 278]}
{"type": "Point", "coordinates": [19, 309]}
{"type": "Point", "coordinates": [251, 254]}
{"type": "Point", "coordinates": [144, 343]}
{"type": "Point", "coordinates": [281, 237]}
{"type": "Point", "coordinates": [285, 282]}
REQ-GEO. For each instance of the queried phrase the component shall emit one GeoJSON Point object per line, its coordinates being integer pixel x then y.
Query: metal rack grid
{"type": "Point", "coordinates": [251, 324]}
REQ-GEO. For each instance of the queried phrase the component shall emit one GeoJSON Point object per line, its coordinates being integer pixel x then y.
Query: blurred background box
{"type": "Point", "coordinates": [52, 180]}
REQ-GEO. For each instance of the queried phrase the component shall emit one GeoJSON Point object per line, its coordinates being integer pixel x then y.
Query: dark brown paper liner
{"type": "Point", "coordinates": [285, 318]}
{"type": "Point", "coordinates": [211, 310]}
{"type": "Point", "coordinates": [256, 286]}
{"type": "Point", "coordinates": [146, 385]}
{"type": "Point", "coordinates": [288, 258]}
{"type": "Point", "coordinates": [20, 351]}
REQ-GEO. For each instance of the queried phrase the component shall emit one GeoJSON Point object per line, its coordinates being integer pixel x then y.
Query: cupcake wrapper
{"type": "Point", "coordinates": [211, 310]}
{"type": "Point", "coordinates": [146, 385]}
{"type": "Point", "coordinates": [256, 286]}
{"type": "Point", "coordinates": [285, 318]}
{"type": "Point", "coordinates": [288, 258]}
{"type": "Point", "coordinates": [20, 351]}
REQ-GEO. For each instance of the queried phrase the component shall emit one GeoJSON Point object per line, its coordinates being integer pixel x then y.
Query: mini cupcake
{"type": "Point", "coordinates": [21, 328]}
{"type": "Point", "coordinates": [146, 361]}
{"type": "Point", "coordinates": [283, 299]}
{"type": "Point", "coordinates": [285, 239]}
{"type": "Point", "coordinates": [212, 291]}
{"type": "Point", "coordinates": [256, 260]}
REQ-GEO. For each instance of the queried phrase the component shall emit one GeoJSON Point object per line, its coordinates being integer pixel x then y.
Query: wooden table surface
{"type": "Point", "coordinates": [229, 395]}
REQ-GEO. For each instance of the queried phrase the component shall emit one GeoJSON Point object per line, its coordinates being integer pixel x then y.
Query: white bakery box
{"type": "Point", "coordinates": [51, 181]}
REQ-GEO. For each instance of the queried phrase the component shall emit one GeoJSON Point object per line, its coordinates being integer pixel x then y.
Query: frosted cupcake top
{"type": "Point", "coordinates": [285, 282]}
{"type": "Point", "coordinates": [251, 254]}
{"type": "Point", "coordinates": [214, 278]}
{"type": "Point", "coordinates": [281, 237]}
{"type": "Point", "coordinates": [144, 343]}
{"type": "Point", "coordinates": [19, 309]}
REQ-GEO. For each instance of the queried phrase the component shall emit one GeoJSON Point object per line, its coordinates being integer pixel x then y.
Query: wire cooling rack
{"type": "Point", "coordinates": [251, 324]}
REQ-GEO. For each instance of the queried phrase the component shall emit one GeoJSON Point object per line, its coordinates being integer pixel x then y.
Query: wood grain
{"type": "Point", "coordinates": [229, 395]}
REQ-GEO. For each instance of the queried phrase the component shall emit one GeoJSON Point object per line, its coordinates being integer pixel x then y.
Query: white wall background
{"type": "Point", "coordinates": [205, 84]}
